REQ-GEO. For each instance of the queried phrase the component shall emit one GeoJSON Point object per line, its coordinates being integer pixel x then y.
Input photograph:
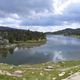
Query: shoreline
{"type": "Point", "coordinates": [44, 71]}
{"type": "Point", "coordinates": [27, 44]}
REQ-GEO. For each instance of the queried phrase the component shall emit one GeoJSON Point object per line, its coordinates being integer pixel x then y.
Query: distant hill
{"type": "Point", "coordinates": [6, 28]}
{"type": "Point", "coordinates": [67, 31]}
{"type": "Point", "coordinates": [20, 35]}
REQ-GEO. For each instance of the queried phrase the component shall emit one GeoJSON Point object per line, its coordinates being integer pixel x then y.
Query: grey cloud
{"type": "Point", "coordinates": [57, 20]}
{"type": "Point", "coordinates": [24, 8]}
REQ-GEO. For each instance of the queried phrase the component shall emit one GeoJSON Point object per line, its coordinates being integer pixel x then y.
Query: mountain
{"type": "Point", "coordinates": [6, 28]}
{"type": "Point", "coordinates": [67, 31]}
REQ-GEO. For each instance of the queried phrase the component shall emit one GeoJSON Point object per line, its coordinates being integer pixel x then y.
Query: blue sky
{"type": "Point", "coordinates": [40, 15]}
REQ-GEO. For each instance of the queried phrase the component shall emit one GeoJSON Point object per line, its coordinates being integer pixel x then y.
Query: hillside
{"type": "Point", "coordinates": [19, 35]}
{"type": "Point", "coordinates": [6, 28]}
{"type": "Point", "coordinates": [68, 31]}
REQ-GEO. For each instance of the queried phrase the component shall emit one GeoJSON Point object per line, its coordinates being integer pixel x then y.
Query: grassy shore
{"type": "Point", "coordinates": [44, 71]}
{"type": "Point", "coordinates": [29, 43]}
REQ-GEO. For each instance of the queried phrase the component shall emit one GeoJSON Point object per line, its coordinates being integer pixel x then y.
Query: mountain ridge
{"type": "Point", "coordinates": [6, 28]}
{"type": "Point", "coordinates": [67, 31]}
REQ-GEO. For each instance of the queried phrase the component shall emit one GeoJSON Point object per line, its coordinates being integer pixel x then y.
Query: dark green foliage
{"type": "Point", "coordinates": [68, 31]}
{"type": "Point", "coordinates": [17, 35]}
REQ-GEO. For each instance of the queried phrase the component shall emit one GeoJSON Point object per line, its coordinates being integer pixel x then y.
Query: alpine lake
{"type": "Point", "coordinates": [57, 48]}
{"type": "Point", "coordinates": [56, 59]}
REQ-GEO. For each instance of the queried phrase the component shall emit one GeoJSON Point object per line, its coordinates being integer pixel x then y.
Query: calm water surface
{"type": "Point", "coordinates": [56, 48]}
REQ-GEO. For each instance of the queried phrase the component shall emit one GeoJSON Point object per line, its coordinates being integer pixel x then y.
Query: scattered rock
{"type": "Point", "coordinates": [61, 74]}
{"type": "Point", "coordinates": [5, 73]}
{"type": "Point", "coordinates": [2, 72]}
{"type": "Point", "coordinates": [32, 72]}
{"type": "Point", "coordinates": [18, 72]}
{"type": "Point", "coordinates": [75, 76]}
{"type": "Point", "coordinates": [54, 78]}
{"type": "Point", "coordinates": [50, 67]}
{"type": "Point", "coordinates": [11, 67]}
{"type": "Point", "coordinates": [24, 79]}
{"type": "Point", "coordinates": [41, 73]}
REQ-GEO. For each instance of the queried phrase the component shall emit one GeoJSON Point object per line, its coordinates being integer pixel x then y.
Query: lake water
{"type": "Point", "coordinates": [56, 48]}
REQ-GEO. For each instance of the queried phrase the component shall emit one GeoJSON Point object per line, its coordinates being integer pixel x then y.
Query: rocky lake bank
{"type": "Point", "coordinates": [44, 71]}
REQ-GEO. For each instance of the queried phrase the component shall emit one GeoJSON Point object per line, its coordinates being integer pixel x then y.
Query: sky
{"type": "Point", "coordinates": [40, 15]}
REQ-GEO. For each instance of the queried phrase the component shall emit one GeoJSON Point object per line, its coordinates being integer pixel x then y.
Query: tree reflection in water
{"type": "Point", "coordinates": [4, 52]}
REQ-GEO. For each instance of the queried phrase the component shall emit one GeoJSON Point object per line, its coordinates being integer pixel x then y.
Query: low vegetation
{"type": "Point", "coordinates": [18, 35]}
{"type": "Point", "coordinates": [67, 32]}
{"type": "Point", "coordinates": [44, 71]}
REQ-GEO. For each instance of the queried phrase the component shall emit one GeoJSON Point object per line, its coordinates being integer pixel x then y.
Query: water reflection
{"type": "Point", "coordinates": [5, 52]}
{"type": "Point", "coordinates": [56, 48]}
{"type": "Point", "coordinates": [29, 56]}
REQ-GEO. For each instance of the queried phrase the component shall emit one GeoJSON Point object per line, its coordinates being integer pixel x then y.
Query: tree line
{"type": "Point", "coordinates": [21, 35]}
{"type": "Point", "coordinates": [68, 32]}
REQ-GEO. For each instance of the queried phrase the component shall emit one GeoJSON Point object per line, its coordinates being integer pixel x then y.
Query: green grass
{"type": "Point", "coordinates": [41, 71]}
{"type": "Point", "coordinates": [30, 43]}
{"type": "Point", "coordinates": [2, 77]}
